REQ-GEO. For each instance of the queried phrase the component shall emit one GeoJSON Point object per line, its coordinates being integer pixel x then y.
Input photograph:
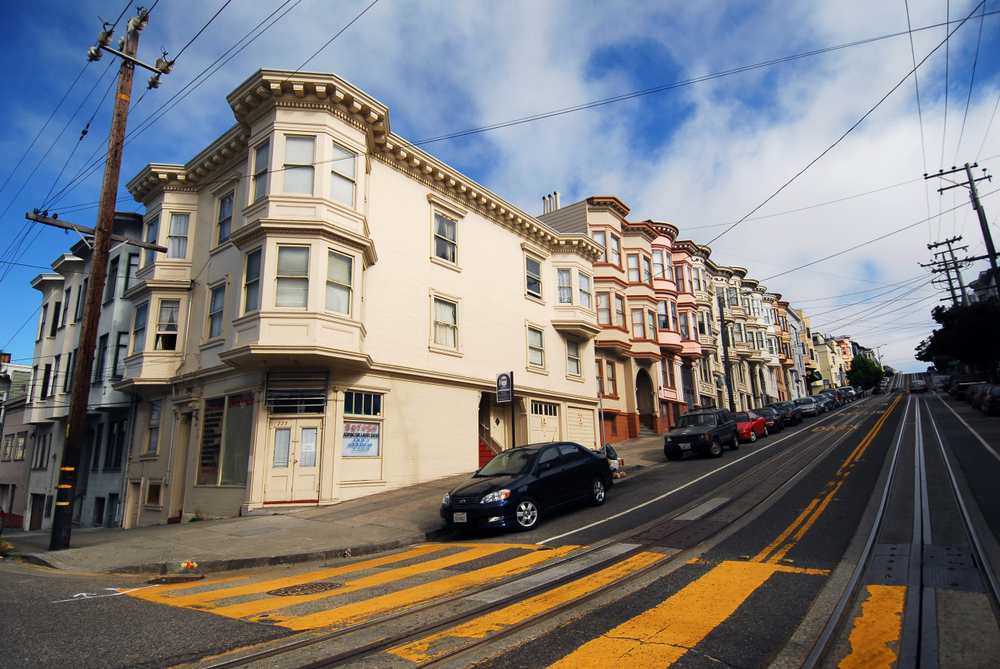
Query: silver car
{"type": "Point", "coordinates": [809, 406]}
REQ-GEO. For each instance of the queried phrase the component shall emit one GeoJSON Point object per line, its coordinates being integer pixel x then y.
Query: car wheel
{"type": "Point", "coordinates": [597, 491]}
{"type": "Point", "coordinates": [715, 449]}
{"type": "Point", "coordinates": [753, 436]}
{"type": "Point", "coordinates": [766, 433]}
{"type": "Point", "coordinates": [527, 514]}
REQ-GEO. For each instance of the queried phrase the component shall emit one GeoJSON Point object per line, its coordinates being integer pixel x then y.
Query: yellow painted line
{"type": "Point", "coordinates": [877, 631]}
{"type": "Point", "coordinates": [201, 598]}
{"type": "Point", "coordinates": [360, 611]}
{"type": "Point", "coordinates": [808, 571]}
{"type": "Point", "coordinates": [258, 606]}
{"type": "Point", "coordinates": [420, 651]}
{"type": "Point", "coordinates": [816, 507]}
{"type": "Point", "coordinates": [662, 635]}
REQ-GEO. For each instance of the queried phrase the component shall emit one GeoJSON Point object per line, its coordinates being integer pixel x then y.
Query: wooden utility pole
{"type": "Point", "coordinates": [68, 471]}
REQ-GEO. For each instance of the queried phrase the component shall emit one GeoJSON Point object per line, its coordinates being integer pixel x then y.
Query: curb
{"type": "Point", "coordinates": [234, 564]}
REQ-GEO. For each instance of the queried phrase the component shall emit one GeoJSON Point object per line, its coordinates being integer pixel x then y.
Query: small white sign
{"type": "Point", "coordinates": [361, 440]}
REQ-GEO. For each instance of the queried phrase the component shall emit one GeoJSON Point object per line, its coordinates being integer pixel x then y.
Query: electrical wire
{"type": "Point", "coordinates": [972, 81]}
{"type": "Point", "coordinates": [849, 130]}
{"type": "Point", "coordinates": [858, 246]}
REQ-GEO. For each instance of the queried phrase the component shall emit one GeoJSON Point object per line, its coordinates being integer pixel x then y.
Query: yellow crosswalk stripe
{"type": "Point", "coordinates": [165, 595]}
{"type": "Point", "coordinates": [877, 631]}
{"type": "Point", "coordinates": [419, 651]}
{"type": "Point", "coordinates": [361, 611]}
{"type": "Point", "coordinates": [257, 607]}
{"type": "Point", "coordinates": [663, 634]}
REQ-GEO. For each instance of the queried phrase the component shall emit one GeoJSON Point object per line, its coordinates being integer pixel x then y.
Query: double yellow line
{"type": "Point", "coordinates": [816, 508]}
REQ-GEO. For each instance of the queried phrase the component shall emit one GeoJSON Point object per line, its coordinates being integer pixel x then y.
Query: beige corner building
{"type": "Point", "coordinates": [334, 310]}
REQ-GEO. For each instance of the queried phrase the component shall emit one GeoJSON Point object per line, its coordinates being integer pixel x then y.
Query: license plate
{"type": "Point", "coordinates": [685, 447]}
{"type": "Point", "coordinates": [460, 517]}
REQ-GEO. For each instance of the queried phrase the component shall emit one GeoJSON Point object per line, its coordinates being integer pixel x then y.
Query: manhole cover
{"type": "Point", "coordinates": [304, 589]}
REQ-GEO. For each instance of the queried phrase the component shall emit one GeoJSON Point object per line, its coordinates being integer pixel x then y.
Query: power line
{"type": "Point", "coordinates": [854, 248]}
{"type": "Point", "coordinates": [972, 80]}
{"type": "Point", "coordinates": [849, 130]}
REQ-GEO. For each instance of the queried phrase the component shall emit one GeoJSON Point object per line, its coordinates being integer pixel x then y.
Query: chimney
{"type": "Point", "coordinates": [545, 204]}
{"type": "Point", "coordinates": [556, 193]}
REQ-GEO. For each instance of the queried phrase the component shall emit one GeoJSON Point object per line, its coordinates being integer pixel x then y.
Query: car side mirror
{"type": "Point", "coordinates": [544, 467]}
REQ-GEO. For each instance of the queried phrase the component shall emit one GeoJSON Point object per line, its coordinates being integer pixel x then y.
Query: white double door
{"type": "Point", "coordinates": [293, 460]}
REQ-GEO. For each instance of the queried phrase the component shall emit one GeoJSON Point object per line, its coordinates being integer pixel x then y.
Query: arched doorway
{"type": "Point", "coordinates": [645, 402]}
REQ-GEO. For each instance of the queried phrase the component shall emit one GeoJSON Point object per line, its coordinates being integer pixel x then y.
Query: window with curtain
{"type": "Point", "coordinates": [445, 323]}
{"type": "Point", "coordinates": [216, 309]}
{"type": "Point", "coordinates": [339, 270]}
{"type": "Point", "coordinates": [225, 218]}
{"type": "Point", "coordinates": [251, 283]}
{"type": "Point", "coordinates": [565, 278]}
{"type": "Point", "coordinates": [445, 238]}
{"type": "Point", "coordinates": [292, 277]}
{"type": "Point", "coordinates": [166, 325]}
{"type": "Point", "coordinates": [177, 241]}
{"type": "Point", "coordinates": [343, 167]}
{"type": "Point", "coordinates": [298, 166]}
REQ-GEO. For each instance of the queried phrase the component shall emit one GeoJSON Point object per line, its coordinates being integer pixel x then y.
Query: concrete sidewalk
{"type": "Point", "coordinates": [371, 524]}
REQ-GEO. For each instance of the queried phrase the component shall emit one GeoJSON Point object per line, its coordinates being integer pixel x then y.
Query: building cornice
{"type": "Point", "coordinates": [608, 203]}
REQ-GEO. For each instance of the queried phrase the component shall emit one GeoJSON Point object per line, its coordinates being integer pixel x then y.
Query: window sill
{"type": "Point", "coordinates": [444, 350]}
{"type": "Point", "coordinates": [213, 343]}
{"type": "Point", "coordinates": [537, 370]}
{"type": "Point", "coordinates": [575, 379]}
{"type": "Point", "coordinates": [149, 457]}
{"type": "Point", "coordinates": [221, 247]}
{"type": "Point", "coordinates": [534, 298]}
{"type": "Point", "coordinates": [153, 507]}
{"type": "Point", "coordinates": [447, 265]}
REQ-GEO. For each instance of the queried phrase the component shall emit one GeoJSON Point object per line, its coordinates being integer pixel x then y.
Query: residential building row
{"type": "Point", "coordinates": [333, 312]}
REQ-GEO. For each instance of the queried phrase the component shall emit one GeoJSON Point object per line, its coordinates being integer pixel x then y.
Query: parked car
{"type": "Point", "coordinates": [849, 393]}
{"type": "Point", "coordinates": [962, 384]}
{"type": "Point", "coordinates": [518, 485]}
{"type": "Point", "coordinates": [750, 425]}
{"type": "Point", "coordinates": [976, 393]}
{"type": "Point", "coordinates": [808, 406]}
{"type": "Point", "coordinates": [918, 386]}
{"type": "Point", "coordinates": [772, 419]}
{"type": "Point", "coordinates": [991, 403]}
{"type": "Point", "coordinates": [878, 390]}
{"type": "Point", "coordinates": [703, 431]}
{"type": "Point", "coordinates": [789, 412]}
{"type": "Point", "coordinates": [838, 397]}
{"type": "Point", "coordinates": [825, 402]}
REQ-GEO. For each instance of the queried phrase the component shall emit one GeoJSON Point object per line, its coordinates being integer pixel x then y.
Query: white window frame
{"type": "Point", "coordinates": [139, 330]}
{"type": "Point", "coordinates": [177, 235]}
{"type": "Point", "coordinates": [573, 358]}
{"type": "Point", "coordinates": [344, 168]}
{"type": "Point", "coordinates": [440, 242]}
{"type": "Point", "coordinates": [261, 153]}
{"type": "Point", "coordinates": [529, 277]}
{"type": "Point", "coordinates": [564, 281]}
{"type": "Point", "coordinates": [537, 361]}
{"type": "Point", "coordinates": [253, 283]}
{"type": "Point", "coordinates": [337, 284]}
{"type": "Point", "coordinates": [217, 312]}
{"type": "Point", "coordinates": [441, 327]}
{"type": "Point", "coordinates": [278, 278]}
{"type": "Point", "coordinates": [297, 169]}
{"type": "Point", "coordinates": [586, 294]}
{"type": "Point", "coordinates": [224, 223]}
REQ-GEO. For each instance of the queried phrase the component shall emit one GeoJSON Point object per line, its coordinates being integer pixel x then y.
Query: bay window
{"type": "Point", "coordinates": [339, 273]}
{"type": "Point", "coordinates": [299, 164]}
{"type": "Point", "coordinates": [292, 277]}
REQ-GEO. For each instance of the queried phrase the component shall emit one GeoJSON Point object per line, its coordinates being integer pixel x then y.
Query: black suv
{"type": "Point", "coordinates": [790, 413]}
{"type": "Point", "coordinates": [703, 431]}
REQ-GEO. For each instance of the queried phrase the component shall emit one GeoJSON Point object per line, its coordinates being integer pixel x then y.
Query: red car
{"type": "Point", "coordinates": [749, 426]}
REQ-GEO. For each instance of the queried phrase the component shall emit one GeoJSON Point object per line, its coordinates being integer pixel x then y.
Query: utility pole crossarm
{"type": "Point", "coordinates": [83, 230]}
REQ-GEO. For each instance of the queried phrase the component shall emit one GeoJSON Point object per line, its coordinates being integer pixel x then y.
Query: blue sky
{"type": "Point", "coordinates": [700, 156]}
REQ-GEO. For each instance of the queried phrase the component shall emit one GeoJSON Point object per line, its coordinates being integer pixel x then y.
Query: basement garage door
{"type": "Point", "coordinates": [580, 426]}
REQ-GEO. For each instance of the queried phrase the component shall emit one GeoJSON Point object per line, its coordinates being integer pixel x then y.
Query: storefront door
{"type": "Point", "coordinates": [293, 460]}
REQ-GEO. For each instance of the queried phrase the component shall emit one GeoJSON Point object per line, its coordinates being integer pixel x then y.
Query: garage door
{"type": "Point", "coordinates": [544, 422]}
{"type": "Point", "coordinates": [580, 426]}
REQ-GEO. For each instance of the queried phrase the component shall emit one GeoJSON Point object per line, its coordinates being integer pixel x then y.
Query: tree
{"type": "Point", "coordinates": [864, 373]}
{"type": "Point", "coordinates": [969, 334]}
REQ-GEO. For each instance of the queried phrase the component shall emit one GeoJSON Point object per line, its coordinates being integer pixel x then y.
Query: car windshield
{"type": "Point", "coordinates": [765, 412]}
{"type": "Point", "coordinates": [804, 400]}
{"type": "Point", "coordinates": [782, 406]}
{"type": "Point", "coordinates": [696, 420]}
{"type": "Point", "coordinates": [508, 463]}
